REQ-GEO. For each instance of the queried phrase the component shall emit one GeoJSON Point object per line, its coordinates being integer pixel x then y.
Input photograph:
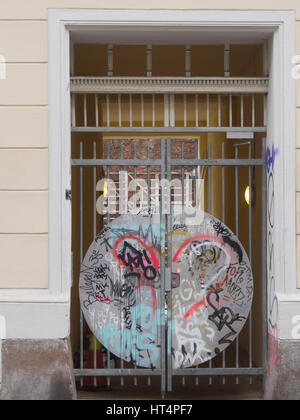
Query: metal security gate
{"type": "Point", "coordinates": [204, 138]}
{"type": "Point", "coordinates": [169, 159]}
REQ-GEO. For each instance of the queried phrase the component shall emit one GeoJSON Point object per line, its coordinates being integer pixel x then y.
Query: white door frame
{"type": "Point", "coordinates": [281, 127]}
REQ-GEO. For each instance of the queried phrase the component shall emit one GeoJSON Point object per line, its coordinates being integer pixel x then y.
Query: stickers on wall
{"type": "Point", "coordinates": [121, 298]}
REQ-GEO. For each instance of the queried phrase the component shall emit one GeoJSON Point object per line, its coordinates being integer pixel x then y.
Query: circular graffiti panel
{"type": "Point", "coordinates": [119, 289]}
{"type": "Point", "coordinates": [212, 290]}
{"type": "Point", "coordinates": [120, 294]}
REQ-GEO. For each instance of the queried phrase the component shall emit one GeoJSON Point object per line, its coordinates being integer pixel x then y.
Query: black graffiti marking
{"type": "Point", "coordinates": [271, 251]}
{"type": "Point", "coordinates": [123, 291]}
{"type": "Point", "coordinates": [271, 197]}
{"type": "Point", "coordinates": [101, 287]}
{"type": "Point", "coordinates": [220, 229]}
{"type": "Point", "coordinates": [102, 234]}
{"type": "Point", "coordinates": [273, 308]}
{"type": "Point", "coordinates": [180, 227]}
{"type": "Point", "coordinates": [235, 291]}
{"type": "Point", "coordinates": [95, 257]}
{"type": "Point", "coordinates": [224, 317]}
{"type": "Point", "coordinates": [105, 242]}
{"type": "Point", "coordinates": [100, 272]}
{"type": "Point", "coordinates": [134, 258]}
{"type": "Point", "coordinates": [235, 246]}
{"type": "Point", "coordinates": [127, 317]}
{"type": "Point", "coordinates": [273, 300]}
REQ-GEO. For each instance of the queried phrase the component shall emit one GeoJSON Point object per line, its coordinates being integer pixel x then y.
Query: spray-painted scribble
{"type": "Point", "coordinates": [213, 300]}
{"type": "Point", "coordinates": [122, 301]}
{"type": "Point", "coordinates": [271, 154]}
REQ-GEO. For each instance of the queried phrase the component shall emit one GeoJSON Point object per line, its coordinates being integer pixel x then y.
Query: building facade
{"type": "Point", "coordinates": [79, 78]}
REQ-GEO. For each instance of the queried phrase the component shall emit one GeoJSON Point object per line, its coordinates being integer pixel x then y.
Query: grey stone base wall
{"type": "Point", "coordinates": [283, 377]}
{"type": "Point", "coordinates": [37, 370]}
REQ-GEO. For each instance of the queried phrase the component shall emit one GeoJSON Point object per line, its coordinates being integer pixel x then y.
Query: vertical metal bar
{"type": "Point", "coordinates": [142, 110]}
{"type": "Point", "coordinates": [188, 60]}
{"type": "Point", "coordinates": [153, 110]}
{"type": "Point", "coordinates": [172, 111]}
{"type": "Point", "coordinates": [148, 179]}
{"type": "Point", "coordinates": [209, 211]}
{"type": "Point", "coordinates": [73, 110]}
{"type": "Point", "coordinates": [149, 60]}
{"type": "Point", "coordinates": [182, 174]}
{"type": "Point", "coordinates": [209, 180]}
{"type": "Point", "coordinates": [107, 110]}
{"type": "Point", "coordinates": [196, 187]}
{"type": "Point", "coordinates": [85, 110]}
{"type": "Point", "coordinates": [166, 110]}
{"type": "Point", "coordinates": [130, 110]}
{"type": "Point", "coordinates": [219, 111]}
{"type": "Point", "coordinates": [184, 110]}
{"type": "Point", "coordinates": [227, 60]}
{"type": "Point", "coordinates": [198, 204]}
{"type": "Point", "coordinates": [237, 234]}
{"type": "Point", "coordinates": [122, 157]}
{"type": "Point", "coordinates": [223, 220]}
{"type": "Point", "coordinates": [250, 257]}
{"type": "Point", "coordinates": [242, 110]}
{"type": "Point", "coordinates": [97, 110]}
{"type": "Point", "coordinates": [208, 110]}
{"type": "Point", "coordinates": [183, 202]}
{"type": "Point", "coordinates": [265, 100]}
{"type": "Point", "coordinates": [253, 110]}
{"type": "Point", "coordinates": [230, 110]}
{"type": "Point", "coordinates": [135, 382]}
{"type": "Point", "coordinates": [169, 293]}
{"type": "Point", "coordinates": [162, 286]}
{"type": "Point", "coordinates": [134, 174]}
{"type": "Point", "coordinates": [94, 236]}
{"type": "Point", "coordinates": [119, 110]}
{"type": "Point", "coordinates": [81, 249]}
{"type": "Point", "coordinates": [264, 258]}
{"type": "Point", "coordinates": [110, 60]}
{"type": "Point", "coordinates": [108, 221]}
{"type": "Point", "coordinates": [197, 109]}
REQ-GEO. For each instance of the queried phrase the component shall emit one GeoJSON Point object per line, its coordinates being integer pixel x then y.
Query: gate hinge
{"type": "Point", "coordinates": [68, 195]}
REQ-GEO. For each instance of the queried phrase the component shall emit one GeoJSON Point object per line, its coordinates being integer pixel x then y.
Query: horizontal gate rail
{"type": "Point", "coordinates": [175, 372]}
{"type": "Point", "coordinates": [219, 372]}
{"type": "Point", "coordinates": [117, 372]}
{"type": "Point", "coordinates": [169, 129]}
{"type": "Point", "coordinates": [173, 162]}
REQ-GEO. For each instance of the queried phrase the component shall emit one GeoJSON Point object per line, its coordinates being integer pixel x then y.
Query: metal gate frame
{"type": "Point", "coordinates": [166, 372]}
{"type": "Point", "coordinates": [236, 163]}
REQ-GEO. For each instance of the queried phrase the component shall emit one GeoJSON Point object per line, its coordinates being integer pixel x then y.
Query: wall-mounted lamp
{"type": "Point", "coordinates": [247, 195]}
{"type": "Point", "coordinates": [250, 196]}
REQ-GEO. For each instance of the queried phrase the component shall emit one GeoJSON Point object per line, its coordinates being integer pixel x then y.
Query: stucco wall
{"type": "Point", "coordinates": [24, 126]}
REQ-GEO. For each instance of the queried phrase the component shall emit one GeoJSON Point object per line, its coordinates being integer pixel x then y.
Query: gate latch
{"type": "Point", "coordinates": [172, 280]}
{"type": "Point", "coordinates": [68, 195]}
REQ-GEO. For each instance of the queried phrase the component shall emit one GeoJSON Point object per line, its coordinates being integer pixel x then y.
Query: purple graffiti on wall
{"type": "Point", "coordinates": [271, 154]}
